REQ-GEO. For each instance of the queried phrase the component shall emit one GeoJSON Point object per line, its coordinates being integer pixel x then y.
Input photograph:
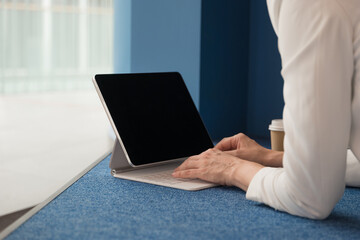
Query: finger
{"type": "Point", "coordinates": [188, 165]}
{"type": "Point", "coordinates": [208, 153]}
{"type": "Point", "coordinates": [226, 144]}
{"type": "Point", "coordinates": [189, 173]}
{"type": "Point", "coordinates": [191, 162]}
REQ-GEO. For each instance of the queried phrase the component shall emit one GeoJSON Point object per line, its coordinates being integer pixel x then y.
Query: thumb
{"type": "Point", "coordinates": [232, 152]}
{"type": "Point", "coordinates": [226, 144]}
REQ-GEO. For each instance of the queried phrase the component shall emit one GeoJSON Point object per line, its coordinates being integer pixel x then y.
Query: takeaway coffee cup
{"type": "Point", "coordinates": [277, 134]}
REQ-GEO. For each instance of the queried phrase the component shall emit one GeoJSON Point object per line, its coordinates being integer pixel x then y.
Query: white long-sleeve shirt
{"type": "Point", "coordinates": [319, 44]}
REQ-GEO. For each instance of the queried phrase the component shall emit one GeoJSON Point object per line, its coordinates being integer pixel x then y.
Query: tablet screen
{"type": "Point", "coordinates": [154, 116]}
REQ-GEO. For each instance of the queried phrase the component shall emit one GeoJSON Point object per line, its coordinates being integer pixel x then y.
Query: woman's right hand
{"type": "Point", "coordinates": [243, 147]}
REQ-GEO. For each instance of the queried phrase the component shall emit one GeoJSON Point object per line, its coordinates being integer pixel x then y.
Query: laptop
{"type": "Point", "coordinates": [156, 124]}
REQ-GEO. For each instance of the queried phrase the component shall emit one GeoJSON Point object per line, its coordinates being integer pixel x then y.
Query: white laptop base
{"type": "Point", "coordinates": [158, 175]}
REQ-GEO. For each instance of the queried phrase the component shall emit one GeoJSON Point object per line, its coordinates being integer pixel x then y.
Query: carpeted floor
{"type": "Point", "coordinates": [99, 206]}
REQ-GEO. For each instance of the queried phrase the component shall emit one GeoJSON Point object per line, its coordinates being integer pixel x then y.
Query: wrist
{"type": "Point", "coordinates": [243, 173]}
{"type": "Point", "coordinates": [273, 158]}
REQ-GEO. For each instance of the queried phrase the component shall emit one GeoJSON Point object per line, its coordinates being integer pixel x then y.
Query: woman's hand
{"type": "Point", "coordinates": [243, 147]}
{"type": "Point", "coordinates": [218, 167]}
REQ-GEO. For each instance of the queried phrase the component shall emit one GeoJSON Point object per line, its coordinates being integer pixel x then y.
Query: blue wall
{"type": "Point", "coordinates": [122, 36]}
{"type": "Point", "coordinates": [265, 89]}
{"type": "Point", "coordinates": [225, 50]}
{"type": "Point", "coordinates": [240, 83]}
{"type": "Point", "coordinates": [164, 36]}
{"type": "Point", "coordinates": [224, 66]}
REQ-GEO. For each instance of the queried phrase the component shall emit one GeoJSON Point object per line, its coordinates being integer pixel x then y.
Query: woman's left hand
{"type": "Point", "coordinates": [218, 167]}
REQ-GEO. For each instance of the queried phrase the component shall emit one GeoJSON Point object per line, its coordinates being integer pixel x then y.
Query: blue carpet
{"type": "Point", "coordinates": [99, 206]}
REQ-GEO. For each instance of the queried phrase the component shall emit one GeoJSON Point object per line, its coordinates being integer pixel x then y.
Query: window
{"type": "Point", "coordinates": [54, 45]}
{"type": "Point", "coordinates": [49, 137]}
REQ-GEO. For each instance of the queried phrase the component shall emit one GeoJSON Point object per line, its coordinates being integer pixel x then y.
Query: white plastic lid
{"type": "Point", "coordinates": [276, 125]}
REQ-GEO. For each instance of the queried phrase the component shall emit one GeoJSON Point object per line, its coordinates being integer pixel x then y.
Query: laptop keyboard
{"type": "Point", "coordinates": [164, 177]}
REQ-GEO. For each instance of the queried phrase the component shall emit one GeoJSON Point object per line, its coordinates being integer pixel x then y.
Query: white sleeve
{"type": "Point", "coordinates": [315, 44]}
{"type": "Point", "coordinates": [352, 177]}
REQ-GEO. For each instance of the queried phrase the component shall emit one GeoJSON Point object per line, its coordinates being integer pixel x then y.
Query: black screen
{"type": "Point", "coordinates": [154, 116]}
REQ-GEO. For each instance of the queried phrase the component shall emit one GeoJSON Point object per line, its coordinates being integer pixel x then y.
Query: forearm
{"type": "Point", "coordinates": [243, 173]}
{"type": "Point", "coordinates": [272, 158]}
{"type": "Point", "coordinates": [352, 176]}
